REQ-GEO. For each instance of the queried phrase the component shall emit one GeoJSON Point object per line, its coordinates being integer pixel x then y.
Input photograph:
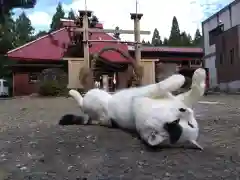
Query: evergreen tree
{"type": "Point", "coordinates": [7, 33]}
{"type": "Point", "coordinates": [40, 34]}
{"type": "Point", "coordinates": [71, 15]}
{"type": "Point", "coordinates": [23, 29]}
{"type": "Point", "coordinates": [186, 40]}
{"type": "Point", "coordinates": [198, 39]}
{"type": "Point", "coordinates": [7, 42]}
{"type": "Point", "coordinates": [175, 35]}
{"type": "Point", "coordinates": [148, 43]}
{"type": "Point", "coordinates": [116, 33]}
{"type": "Point", "coordinates": [7, 5]}
{"type": "Point", "coordinates": [57, 17]}
{"type": "Point", "coordinates": [165, 42]}
{"type": "Point", "coordinates": [156, 39]}
{"type": "Point", "coordinates": [93, 21]}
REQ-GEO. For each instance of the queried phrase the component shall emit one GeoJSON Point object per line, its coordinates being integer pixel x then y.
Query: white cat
{"type": "Point", "coordinates": [96, 103]}
{"type": "Point", "coordinates": [154, 119]}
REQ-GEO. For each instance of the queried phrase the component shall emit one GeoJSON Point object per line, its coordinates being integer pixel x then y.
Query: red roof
{"type": "Point", "coordinates": [44, 49]}
{"type": "Point", "coordinates": [170, 49]}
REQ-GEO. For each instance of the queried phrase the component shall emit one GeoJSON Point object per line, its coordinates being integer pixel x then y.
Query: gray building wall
{"type": "Point", "coordinates": [230, 17]}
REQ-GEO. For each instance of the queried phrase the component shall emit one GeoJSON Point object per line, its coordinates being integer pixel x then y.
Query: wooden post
{"type": "Point", "coordinates": [85, 15]}
{"type": "Point", "coordinates": [136, 18]}
{"type": "Point", "coordinates": [105, 82]}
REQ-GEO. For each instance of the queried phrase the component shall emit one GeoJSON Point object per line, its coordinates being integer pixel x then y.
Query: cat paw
{"type": "Point", "coordinates": [199, 76]}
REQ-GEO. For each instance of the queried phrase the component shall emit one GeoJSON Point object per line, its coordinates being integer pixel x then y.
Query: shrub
{"type": "Point", "coordinates": [52, 88]}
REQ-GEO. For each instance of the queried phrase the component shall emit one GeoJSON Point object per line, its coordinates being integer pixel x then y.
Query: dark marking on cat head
{"type": "Point", "coordinates": [182, 109]}
{"type": "Point", "coordinates": [174, 130]}
{"type": "Point", "coordinates": [70, 119]}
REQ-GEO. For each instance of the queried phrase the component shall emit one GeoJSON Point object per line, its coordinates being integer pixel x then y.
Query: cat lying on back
{"type": "Point", "coordinates": [134, 109]}
{"type": "Point", "coordinates": [95, 103]}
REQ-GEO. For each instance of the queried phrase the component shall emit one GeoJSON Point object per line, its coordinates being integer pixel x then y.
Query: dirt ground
{"type": "Point", "coordinates": [33, 146]}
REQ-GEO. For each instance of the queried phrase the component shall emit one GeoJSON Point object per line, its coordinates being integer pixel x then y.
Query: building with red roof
{"type": "Point", "coordinates": [49, 50]}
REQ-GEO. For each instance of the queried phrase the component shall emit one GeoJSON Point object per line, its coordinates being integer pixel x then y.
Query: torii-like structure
{"type": "Point", "coordinates": [85, 14]}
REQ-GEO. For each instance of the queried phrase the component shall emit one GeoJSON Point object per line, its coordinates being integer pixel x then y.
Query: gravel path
{"type": "Point", "coordinates": [33, 147]}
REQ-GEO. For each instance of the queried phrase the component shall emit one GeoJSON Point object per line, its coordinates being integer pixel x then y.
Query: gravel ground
{"type": "Point", "coordinates": [33, 146]}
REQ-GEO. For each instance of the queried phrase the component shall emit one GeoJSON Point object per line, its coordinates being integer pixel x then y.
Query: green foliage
{"type": "Point", "coordinates": [23, 30]}
{"type": "Point", "coordinates": [71, 15]}
{"type": "Point", "coordinates": [146, 43]}
{"type": "Point", "coordinates": [116, 34]}
{"type": "Point", "coordinates": [7, 34]}
{"type": "Point", "coordinates": [156, 39]}
{"type": "Point", "coordinates": [55, 25]}
{"type": "Point", "coordinates": [52, 88]}
{"type": "Point", "coordinates": [177, 38]}
{"type": "Point", "coordinates": [165, 42]}
{"type": "Point", "coordinates": [198, 39]}
{"type": "Point", "coordinates": [8, 5]}
{"type": "Point", "coordinates": [7, 42]}
{"type": "Point", "coordinates": [175, 35]}
{"type": "Point", "coordinates": [40, 34]}
{"type": "Point", "coordinates": [186, 40]}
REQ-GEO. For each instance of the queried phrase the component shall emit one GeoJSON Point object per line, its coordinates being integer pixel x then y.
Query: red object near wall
{"type": "Point", "coordinates": [207, 78]}
{"type": "Point", "coordinates": [22, 86]}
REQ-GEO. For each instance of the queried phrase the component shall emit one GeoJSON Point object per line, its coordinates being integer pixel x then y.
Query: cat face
{"type": "Point", "coordinates": [175, 129]}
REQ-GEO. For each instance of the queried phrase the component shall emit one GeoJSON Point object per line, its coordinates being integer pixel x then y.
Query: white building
{"type": "Point", "coordinates": [229, 16]}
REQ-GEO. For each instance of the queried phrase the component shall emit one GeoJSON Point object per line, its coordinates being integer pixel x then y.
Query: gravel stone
{"type": "Point", "coordinates": [33, 146]}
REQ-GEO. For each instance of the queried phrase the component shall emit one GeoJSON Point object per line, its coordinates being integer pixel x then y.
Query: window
{"type": "Point", "coordinates": [232, 56]}
{"type": "Point", "coordinates": [33, 77]}
{"type": "Point", "coordinates": [221, 59]}
{"type": "Point", "coordinates": [5, 84]}
{"type": "Point", "coordinates": [214, 33]}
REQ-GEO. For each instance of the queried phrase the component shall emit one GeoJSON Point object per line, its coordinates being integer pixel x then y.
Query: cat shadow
{"type": "Point", "coordinates": [171, 147]}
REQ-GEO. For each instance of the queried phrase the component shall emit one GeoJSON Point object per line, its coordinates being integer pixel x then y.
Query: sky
{"type": "Point", "coordinates": [156, 13]}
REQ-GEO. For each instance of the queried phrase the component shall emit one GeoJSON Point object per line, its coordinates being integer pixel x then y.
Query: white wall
{"type": "Point", "coordinates": [236, 14]}
{"type": "Point", "coordinates": [210, 64]}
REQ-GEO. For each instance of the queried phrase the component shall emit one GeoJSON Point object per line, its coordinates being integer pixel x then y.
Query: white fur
{"type": "Point", "coordinates": [94, 103]}
{"type": "Point", "coordinates": [197, 88]}
{"type": "Point", "coordinates": [120, 105]}
{"type": "Point", "coordinates": [135, 108]}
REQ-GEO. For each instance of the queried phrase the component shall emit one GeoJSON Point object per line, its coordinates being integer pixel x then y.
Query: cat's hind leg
{"type": "Point", "coordinates": [197, 88]}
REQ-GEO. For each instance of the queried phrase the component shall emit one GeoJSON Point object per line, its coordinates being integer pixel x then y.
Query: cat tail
{"type": "Point", "coordinates": [77, 96]}
{"type": "Point", "coordinates": [197, 88]}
